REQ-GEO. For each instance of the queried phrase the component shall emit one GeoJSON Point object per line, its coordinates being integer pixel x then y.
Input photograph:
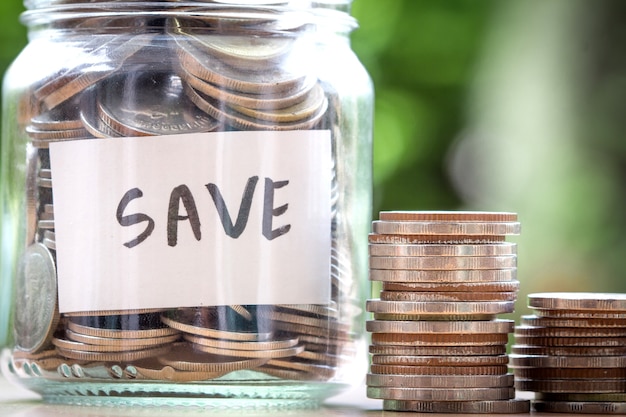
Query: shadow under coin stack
{"type": "Point", "coordinates": [437, 345]}
{"type": "Point", "coordinates": [572, 353]}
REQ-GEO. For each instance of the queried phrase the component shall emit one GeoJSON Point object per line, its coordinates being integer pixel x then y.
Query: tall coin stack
{"type": "Point", "coordinates": [572, 353]}
{"type": "Point", "coordinates": [437, 345]}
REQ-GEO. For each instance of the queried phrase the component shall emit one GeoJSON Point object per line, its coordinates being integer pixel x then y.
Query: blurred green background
{"type": "Point", "coordinates": [509, 105]}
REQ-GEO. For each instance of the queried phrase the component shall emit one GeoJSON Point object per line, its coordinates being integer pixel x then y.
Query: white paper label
{"type": "Point", "coordinates": [192, 220]}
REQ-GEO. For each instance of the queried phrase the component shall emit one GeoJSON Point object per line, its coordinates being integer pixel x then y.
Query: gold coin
{"type": "Point", "coordinates": [443, 262]}
{"type": "Point", "coordinates": [448, 360]}
{"type": "Point", "coordinates": [448, 216]}
{"type": "Point", "coordinates": [570, 332]}
{"type": "Point", "coordinates": [122, 343]}
{"type": "Point", "coordinates": [441, 394]}
{"type": "Point", "coordinates": [571, 341]}
{"type": "Point", "coordinates": [186, 359]}
{"type": "Point", "coordinates": [125, 357]}
{"type": "Point", "coordinates": [434, 239]}
{"type": "Point", "coordinates": [416, 307]}
{"type": "Point", "coordinates": [532, 320]}
{"type": "Point", "coordinates": [440, 381]}
{"type": "Point", "coordinates": [432, 296]}
{"type": "Point", "coordinates": [572, 385]}
{"type": "Point", "coordinates": [451, 351]}
{"type": "Point", "coordinates": [215, 333]}
{"type": "Point", "coordinates": [601, 302]}
{"type": "Point", "coordinates": [263, 354]}
{"type": "Point", "coordinates": [587, 362]}
{"type": "Point", "coordinates": [488, 286]}
{"type": "Point", "coordinates": [568, 350]}
{"type": "Point", "coordinates": [445, 228]}
{"type": "Point", "coordinates": [439, 339]}
{"type": "Point", "coordinates": [580, 407]}
{"type": "Point", "coordinates": [120, 334]}
{"type": "Point", "coordinates": [473, 275]}
{"type": "Point", "coordinates": [512, 406]}
{"type": "Point", "coordinates": [569, 373]}
{"type": "Point", "coordinates": [438, 327]}
{"type": "Point", "coordinates": [494, 249]}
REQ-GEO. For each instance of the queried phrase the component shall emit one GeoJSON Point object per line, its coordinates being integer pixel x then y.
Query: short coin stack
{"type": "Point", "coordinates": [572, 352]}
{"type": "Point", "coordinates": [437, 345]}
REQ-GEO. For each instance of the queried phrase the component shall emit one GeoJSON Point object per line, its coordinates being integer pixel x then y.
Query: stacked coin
{"type": "Point", "coordinates": [437, 345]}
{"type": "Point", "coordinates": [572, 352]}
{"type": "Point", "coordinates": [116, 338]}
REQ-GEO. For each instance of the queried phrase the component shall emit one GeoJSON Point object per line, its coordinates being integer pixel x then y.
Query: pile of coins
{"type": "Point", "coordinates": [572, 352]}
{"type": "Point", "coordinates": [437, 345]}
{"type": "Point", "coordinates": [246, 76]}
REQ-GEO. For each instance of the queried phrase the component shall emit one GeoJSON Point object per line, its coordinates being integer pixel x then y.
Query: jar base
{"type": "Point", "coordinates": [237, 390]}
{"type": "Point", "coordinates": [233, 395]}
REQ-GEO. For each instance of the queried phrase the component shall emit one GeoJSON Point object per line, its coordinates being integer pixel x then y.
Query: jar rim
{"type": "Point", "coordinates": [43, 12]}
{"type": "Point", "coordinates": [343, 5]}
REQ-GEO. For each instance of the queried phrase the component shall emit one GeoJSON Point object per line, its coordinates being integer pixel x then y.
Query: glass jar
{"type": "Point", "coordinates": [186, 196]}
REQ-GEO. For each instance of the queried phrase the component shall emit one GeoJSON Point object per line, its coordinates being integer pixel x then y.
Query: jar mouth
{"type": "Point", "coordinates": [286, 15]}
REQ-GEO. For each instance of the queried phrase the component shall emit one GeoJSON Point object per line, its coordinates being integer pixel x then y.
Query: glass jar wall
{"type": "Point", "coordinates": [186, 195]}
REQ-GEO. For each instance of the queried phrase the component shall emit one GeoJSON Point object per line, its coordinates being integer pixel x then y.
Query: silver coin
{"type": "Point", "coordinates": [443, 263]}
{"type": "Point", "coordinates": [445, 228]}
{"type": "Point", "coordinates": [440, 381]}
{"type": "Point", "coordinates": [513, 406]}
{"type": "Point", "coordinates": [146, 110]}
{"type": "Point", "coordinates": [36, 310]}
{"type": "Point", "coordinates": [494, 249]}
{"type": "Point", "coordinates": [449, 327]}
{"type": "Point", "coordinates": [580, 407]}
{"type": "Point", "coordinates": [471, 275]}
